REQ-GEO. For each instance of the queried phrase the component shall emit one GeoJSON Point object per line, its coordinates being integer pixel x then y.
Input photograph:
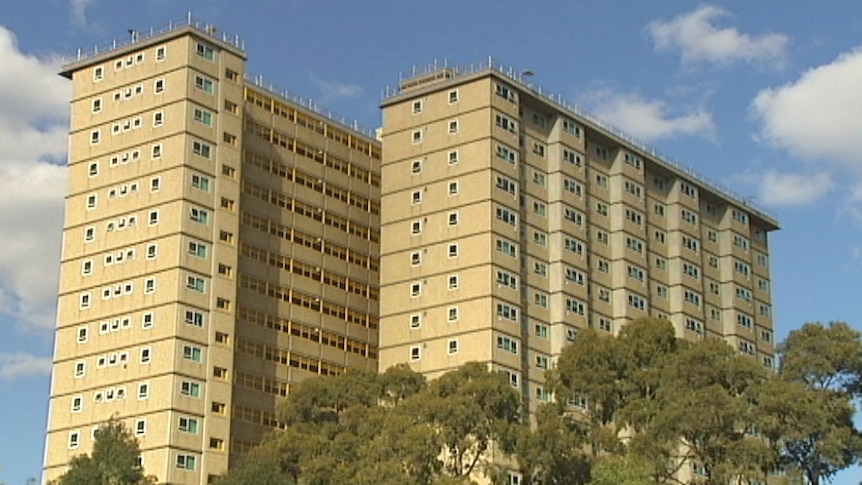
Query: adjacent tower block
{"type": "Point", "coordinates": [511, 221]}
{"type": "Point", "coordinates": [220, 244]}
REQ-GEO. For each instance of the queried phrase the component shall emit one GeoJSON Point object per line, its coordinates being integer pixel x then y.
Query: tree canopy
{"type": "Point", "coordinates": [113, 461]}
{"type": "Point", "coordinates": [640, 408]}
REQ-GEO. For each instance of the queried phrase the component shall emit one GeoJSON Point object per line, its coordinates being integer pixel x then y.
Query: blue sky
{"type": "Point", "coordinates": [762, 97]}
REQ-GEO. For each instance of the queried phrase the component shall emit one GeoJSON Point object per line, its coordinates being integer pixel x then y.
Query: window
{"type": "Point", "coordinates": [571, 128]}
{"type": "Point", "coordinates": [416, 197]}
{"type": "Point", "coordinates": [205, 51]}
{"type": "Point", "coordinates": [453, 188]}
{"type": "Point", "coordinates": [200, 182]}
{"type": "Point", "coordinates": [186, 462]}
{"type": "Point", "coordinates": [574, 276]}
{"type": "Point", "coordinates": [507, 185]}
{"type": "Point", "coordinates": [188, 425]}
{"type": "Point", "coordinates": [201, 149]}
{"type": "Point", "coordinates": [507, 247]}
{"type": "Point", "coordinates": [143, 390]}
{"type": "Point", "coordinates": [572, 157]}
{"type": "Point", "coordinates": [541, 330]}
{"type": "Point", "coordinates": [507, 154]}
{"type": "Point", "coordinates": [92, 200]}
{"type": "Point", "coordinates": [453, 96]}
{"type": "Point", "coordinates": [77, 404]}
{"type": "Point", "coordinates": [505, 278]}
{"type": "Point", "coordinates": [539, 149]}
{"type": "Point", "coordinates": [573, 215]}
{"type": "Point", "coordinates": [196, 283]}
{"type": "Point", "coordinates": [507, 343]}
{"type": "Point", "coordinates": [192, 353]}
{"type": "Point", "coordinates": [452, 346]}
{"type": "Point", "coordinates": [204, 117]}
{"type": "Point", "coordinates": [415, 353]}
{"type": "Point", "coordinates": [693, 325]}
{"type": "Point", "coordinates": [453, 218]}
{"type": "Point", "coordinates": [97, 105]}
{"type": "Point", "coordinates": [200, 216]}
{"type": "Point", "coordinates": [416, 228]}
{"type": "Point", "coordinates": [417, 106]}
{"type": "Point", "coordinates": [204, 84]}
{"type": "Point", "coordinates": [87, 267]}
{"type": "Point", "coordinates": [194, 318]}
{"type": "Point", "coordinates": [453, 127]}
{"type": "Point", "coordinates": [415, 258]}
{"type": "Point", "coordinates": [636, 302]}
{"type": "Point", "coordinates": [541, 361]}
{"type": "Point", "coordinates": [149, 286]}
{"type": "Point", "coordinates": [190, 389]}
{"type": "Point", "coordinates": [80, 369]}
{"type": "Point", "coordinates": [152, 251]}
{"type": "Point", "coordinates": [505, 92]}
{"type": "Point", "coordinates": [198, 249]}
{"type": "Point", "coordinates": [74, 439]}
{"type": "Point", "coordinates": [575, 306]}
{"type": "Point", "coordinates": [140, 427]}
{"type": "Point", "coordinates": [153, 218]}
{"type": "Point", "coordinates": [606, 325]}
{"type": "Point", "coordinates": [147, 320]}
{"type": "Point", "coordinates": [453, 157]}
{"type": "Point", "coordinates": [416, 166]}
{"type": "Point", "coordinates": [506, 123]}
{"type": "Point", "coordinates": [692, 298]}
{"type": "Point", "coordinates": [452, 282]}
{"type": "Point", "coordinates": [84, 302]}
{"type": "Point", "coordinates": [540, 299]}
{"type": "Point", "coordinates": [540, 238]}
{"type": "Point", "coordinates": [98, 73]}
{"type": "Point", "coordinates": [453, 250]}
{"type": "Point", "coordinates": [570, 185]}
{"type": "Point", "coordinates": [415, 320]}
{"type": "Point", "coordinates": [574, 246]}
{"type": "Point", "coordinates": [157, 151]}
{"type": "Point", "coordinates": [540, 269]}
{"type": "Point", "coordinates": [158, 118]}
{"type": "Point", "coordinates": [416, 136]}
{"type": "Point", "coordinates": [509, 312]}
{"type": "Point", "coordinates": [415, 289]}
{"type": "Point", "coordinates": [744, 321]}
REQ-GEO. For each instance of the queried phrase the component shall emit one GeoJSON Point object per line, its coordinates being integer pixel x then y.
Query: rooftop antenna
{"type": "Point", "coordinates": [134, 34]}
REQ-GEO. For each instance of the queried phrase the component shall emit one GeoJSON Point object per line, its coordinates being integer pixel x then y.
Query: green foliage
{"type": "Point", "coordinates": [620, 470]}
{"type": "Point", "coordinates": [393, 428]}
{"type": "Point", "coordinates": [114, 460]}
{"type": "Point", "coordinates": [651, 408]}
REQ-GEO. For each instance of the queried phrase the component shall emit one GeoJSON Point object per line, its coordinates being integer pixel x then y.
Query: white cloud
{"type": "Point", "coordinates": [698, 39]}
{"type": "Point", "coordinates": [21, 364]}
{"type": "Point", "coordinates": [79, 11]}
{"type": "Point", "coordinates": [818, 116]}
{"type": "Point", "coordinates": [649, 120]}
{"type": "Point", "coordinates": [33, 133]}
{"type": "Point", "coordinates": [332, 90]}
{"type": "Point", "coordinates": [793, 189]}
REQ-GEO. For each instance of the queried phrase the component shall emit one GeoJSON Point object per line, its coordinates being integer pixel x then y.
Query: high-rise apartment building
{"type": "Point", "coordinates": [220, 244]}
{"type": "Point", "coordinates": [512, 220]}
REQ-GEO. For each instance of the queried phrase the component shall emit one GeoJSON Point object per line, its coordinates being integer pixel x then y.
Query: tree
{"type": "Point", "coordinates": [620, 470]}
{"type": "Point", "coordinates": [114, 460]}
{"type": "Point", "coordinates": [820, 370]}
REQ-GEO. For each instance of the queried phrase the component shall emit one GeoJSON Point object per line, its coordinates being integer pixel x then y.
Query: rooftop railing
{"type": "Point", "coordinates": [140, 35]}
{"type": "Point", "coordinates": [310, 105]}
{"type": "Point", "coordinates": [517, 76]}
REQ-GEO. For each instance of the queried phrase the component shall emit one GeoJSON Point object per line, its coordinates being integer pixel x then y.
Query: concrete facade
{"type": "Point", "coordinates": [512, 221]}
{"type": "Point", "coordinates": [220, 244]}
